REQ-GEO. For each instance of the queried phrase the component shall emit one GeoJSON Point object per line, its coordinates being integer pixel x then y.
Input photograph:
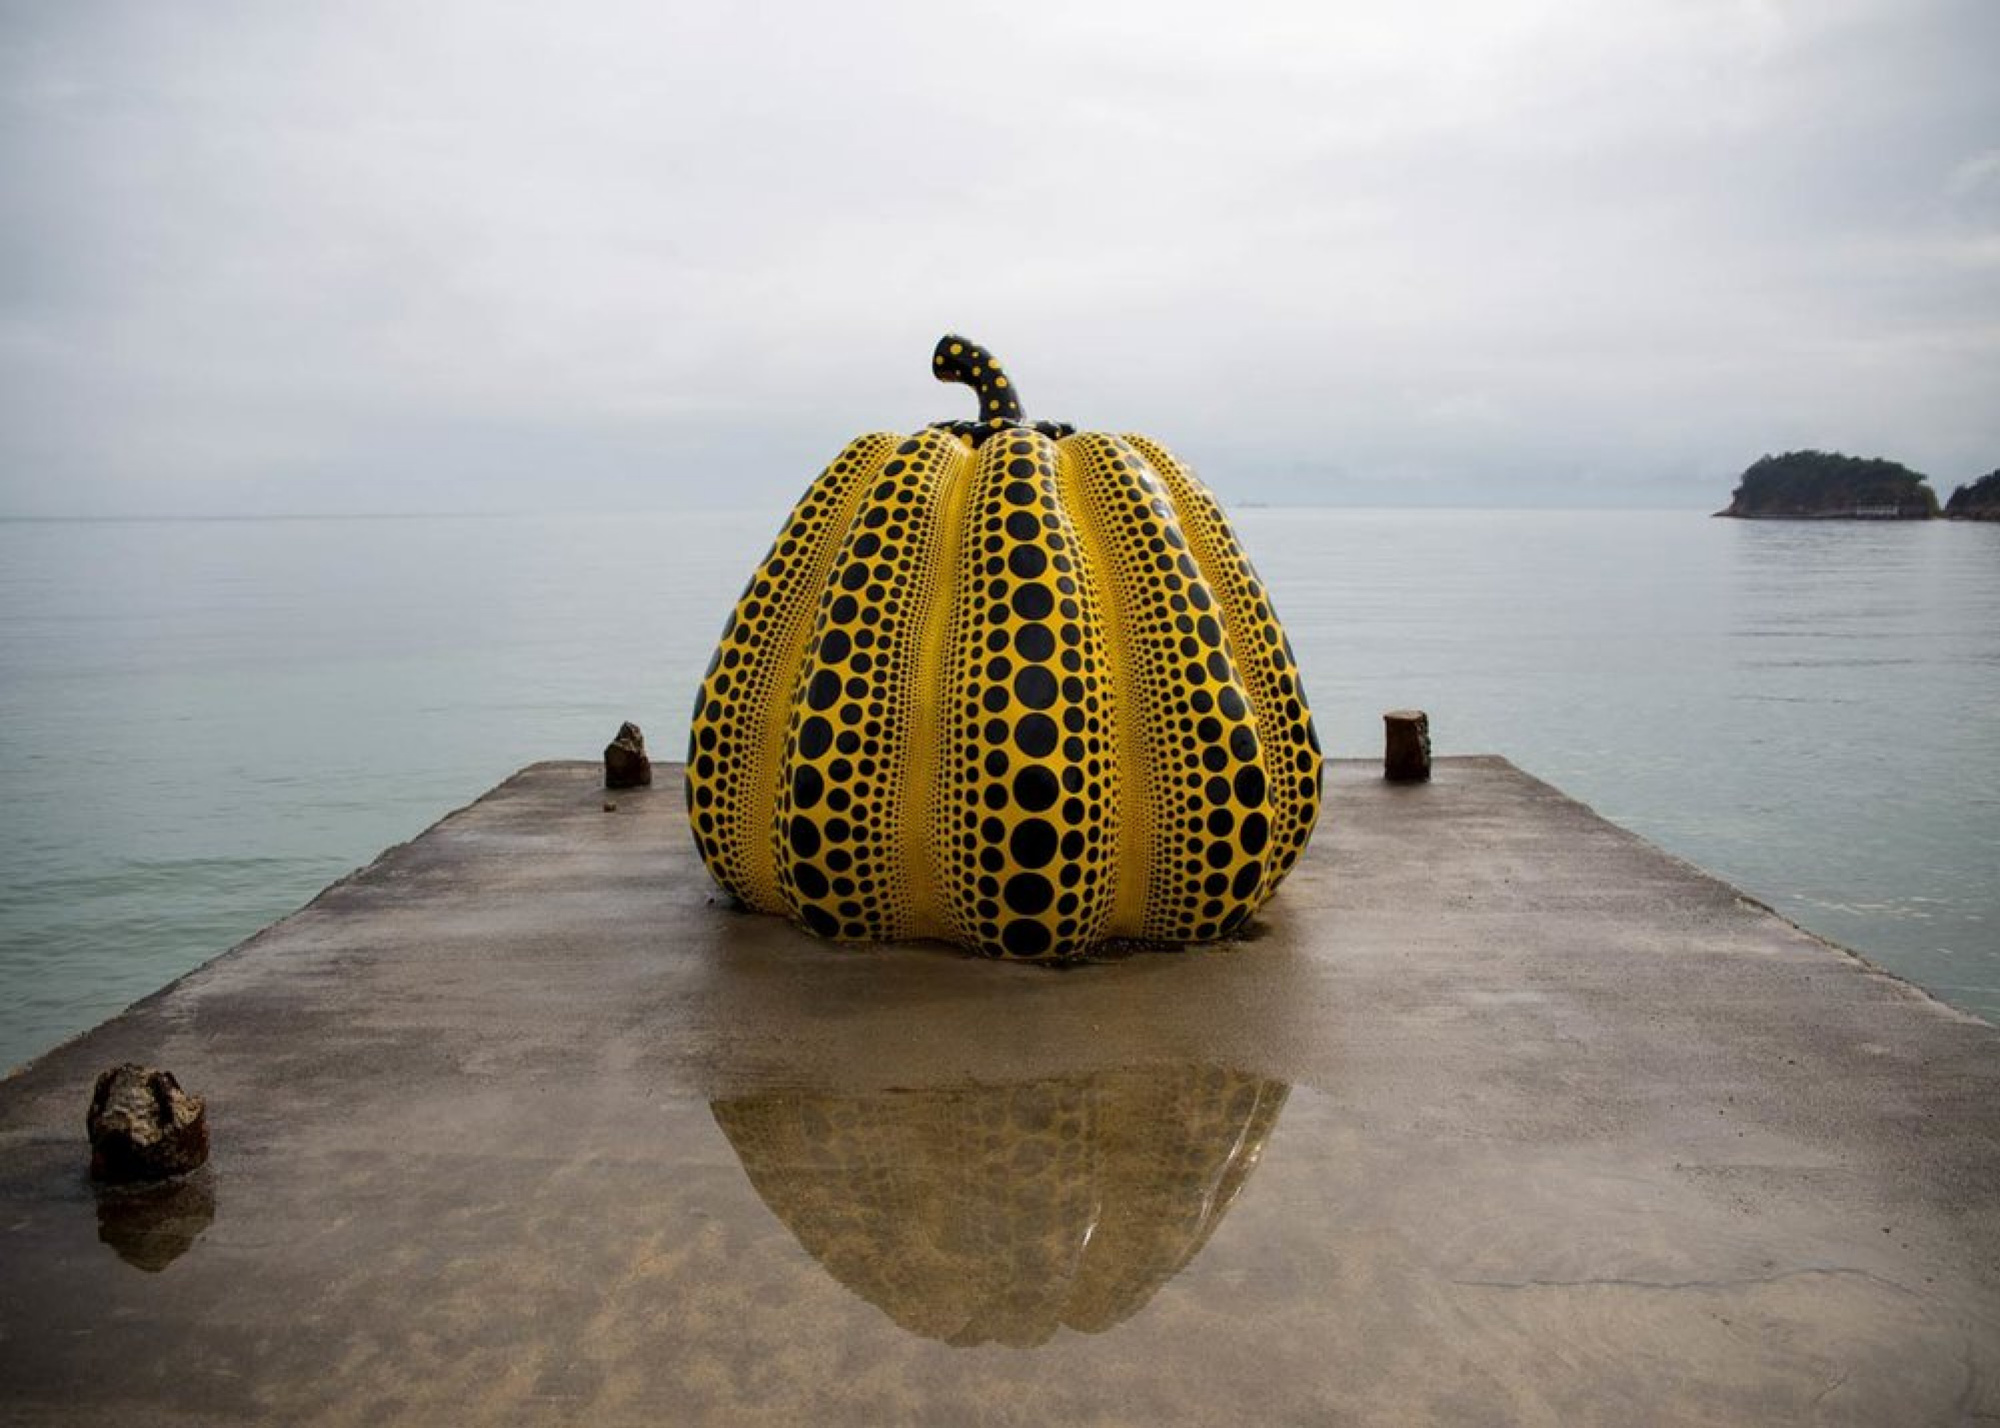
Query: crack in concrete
{"type": "Point", "coordinates": [1967, 1408]}
{"type": "Point", "coordinates": [1825, 1393]}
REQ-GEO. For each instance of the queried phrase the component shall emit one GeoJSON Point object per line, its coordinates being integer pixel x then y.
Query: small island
{"type": "Point", "coordinates": [1978, 501]}
{"type": "Point", "coordinates": [1827, 486]}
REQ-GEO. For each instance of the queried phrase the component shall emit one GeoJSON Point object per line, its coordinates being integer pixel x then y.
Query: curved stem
{"type": "Point", "coordinates": [961, 360]}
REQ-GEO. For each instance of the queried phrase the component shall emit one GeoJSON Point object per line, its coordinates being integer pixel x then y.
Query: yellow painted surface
{"type": "Point", "coordinates": [1029, 697]}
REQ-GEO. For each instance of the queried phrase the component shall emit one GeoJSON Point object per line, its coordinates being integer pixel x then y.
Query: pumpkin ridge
{"type": "Point", "coordinates": [736, 732]}
{"type": "Point", "coordinates": [924, 808]}
{"type": "Point", "coordinates": [1202, 750]}
{"type": "Point", "coordinates": [1029, 843]}
{"type": "Point", "coordinates": [1033, 871]}
{"type": "Point", "coordinates": [1132, 770]}
{"type": "Point", "coordinates": [1289, 744]}
{"type": "Point", "coordinates": [763, 853]}
{"type": "Point", "coordinates": [836, 835]}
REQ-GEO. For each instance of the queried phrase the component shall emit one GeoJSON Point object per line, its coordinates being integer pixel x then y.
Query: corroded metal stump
{"type": "Point", "coordinates": [625, 762]}
{"type": "Point", "coordinates": [1406, 757]}
{"type": "Point", "coordinates": [143, 1126]}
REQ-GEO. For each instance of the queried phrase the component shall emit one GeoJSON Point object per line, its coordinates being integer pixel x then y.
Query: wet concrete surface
{"type": "Point", "coordinates": [1502, 1116]}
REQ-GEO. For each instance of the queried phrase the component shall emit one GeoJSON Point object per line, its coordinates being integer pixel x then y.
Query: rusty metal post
{"type": "Point", "coordinates": [1406, 756]}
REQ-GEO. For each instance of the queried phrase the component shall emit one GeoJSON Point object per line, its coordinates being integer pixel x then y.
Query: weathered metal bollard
{"type": "Point", "coordinates": [625, 761]}
{"type": "Point", "coordinates": [1406, 756]}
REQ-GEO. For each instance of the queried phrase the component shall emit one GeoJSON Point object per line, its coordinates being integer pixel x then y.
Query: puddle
{"type": "Point", "coordinates": [1000, 1214]}
{"type": "Point", "coordinates": [151, 1226]}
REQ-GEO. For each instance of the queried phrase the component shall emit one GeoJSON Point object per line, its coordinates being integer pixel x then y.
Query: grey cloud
{"type": "Point", "coordinates": [443, 257]}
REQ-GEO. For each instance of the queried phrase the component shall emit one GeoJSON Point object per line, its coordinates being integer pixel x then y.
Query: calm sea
{"type": "Point", "coordinates": [202, 723]}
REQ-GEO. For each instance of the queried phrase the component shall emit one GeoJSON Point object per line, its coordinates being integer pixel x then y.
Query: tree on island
{"type": "Point", "coordinates": [1826, 484]}
{"type": "Point", "coordinates": [1978, 501]}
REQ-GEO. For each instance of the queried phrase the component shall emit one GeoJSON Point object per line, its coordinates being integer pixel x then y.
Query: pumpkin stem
{"type": "Point", "coordinates": [961, 360]}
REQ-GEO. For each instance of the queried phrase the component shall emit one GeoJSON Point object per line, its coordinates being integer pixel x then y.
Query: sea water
{"type": "Point", "coordinates": [204, 722]}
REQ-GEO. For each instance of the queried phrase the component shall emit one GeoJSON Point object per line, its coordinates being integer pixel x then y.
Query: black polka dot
{"type": "Point", "coordinates": [1035, 788]}
{"type": "Point", "coordinates": [807, 786]}
{"type": "Point", "coordinates": [1035, 642]}
{"type": "Point", "coordinates": [814, 736]}
{"type": "Point", "coordinates": [1250, 786]}
{"type": "Point", "coordinates": [805, 837]}
{"type": "Point", "coordinates": [1256, 832]}
{"type": "Point", "coordinates": [1033, 602]}
{"type": "Point", "coordinates": [1026, 939]}
{"type": "Point", "coordinates": [1247, 879]}
{"type": "Point", "coordinates": [820, 920]}
{"type": "Point", "coordinates": [1029, 893]}
{"type": "Point", "coordinates": [1035, 735]}
{"type": "Point", "coordinates": [824, 690]}
{"type": "Point", "coordinates": [1033, 843]}
{"type": "Point", "coordinates": [811, 881]}
{"type": "Point", "coordinates": [1027, 561]}
{"type": "Point", "coordinates": [1035, 687]}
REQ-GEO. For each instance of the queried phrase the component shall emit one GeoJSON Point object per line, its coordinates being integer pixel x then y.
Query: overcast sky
{"type": "Point", "coordinates": [357, 257]}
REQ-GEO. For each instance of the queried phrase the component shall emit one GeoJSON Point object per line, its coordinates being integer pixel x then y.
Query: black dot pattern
{"type": "Point", "coordinates": [845, 775]}
{"type": "Point", "coordinates": [1011, 688]}
{"type": "Point", "coordinates": [1292, 760]}
{"type": "Point", "coordinates": [740, 711]}
{"type": "Point", "coordinates": [1202, 760]}
{"type": "Point", "coordinates": [1028, 816]}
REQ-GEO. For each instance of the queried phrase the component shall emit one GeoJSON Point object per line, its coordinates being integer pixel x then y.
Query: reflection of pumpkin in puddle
{"type": "Point", "coordinates": [998, 1214]}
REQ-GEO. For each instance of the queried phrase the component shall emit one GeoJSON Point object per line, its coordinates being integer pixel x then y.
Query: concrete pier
{"type": "Point", "coordinates": [1502, 1115]}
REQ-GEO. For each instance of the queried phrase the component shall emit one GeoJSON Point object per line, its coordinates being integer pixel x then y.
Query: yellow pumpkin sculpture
{"type": "Point", "coordinates": [1007, 684]}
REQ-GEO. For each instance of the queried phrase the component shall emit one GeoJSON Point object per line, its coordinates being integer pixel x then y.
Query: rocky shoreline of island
{"type": "Point", "coordinates": [1831, 486]}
